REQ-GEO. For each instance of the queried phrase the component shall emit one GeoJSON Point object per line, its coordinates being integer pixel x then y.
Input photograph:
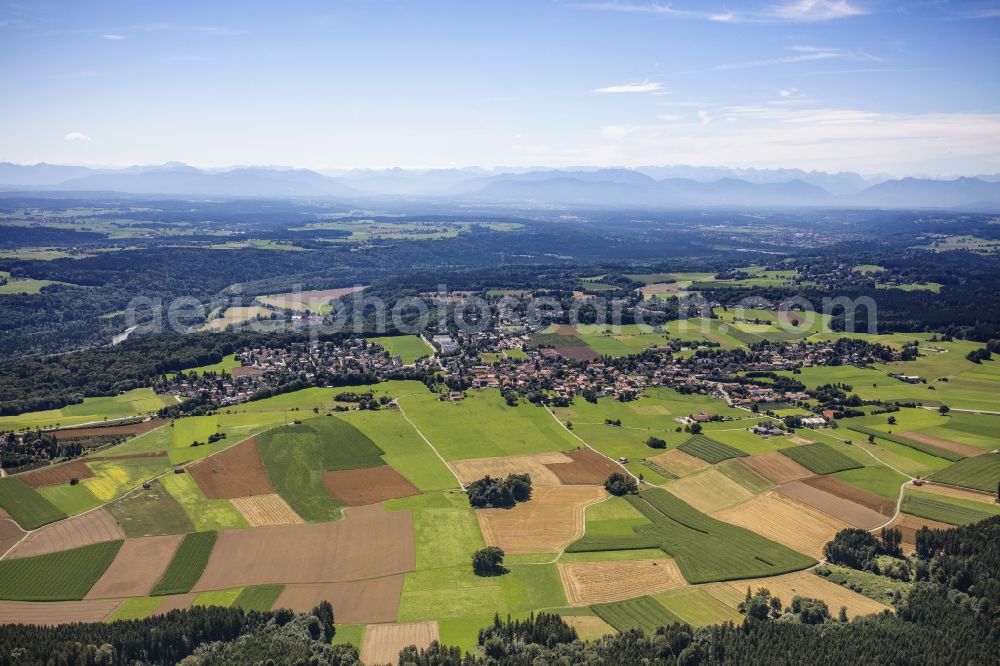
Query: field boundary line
{"type": "Point", "coordinates": [582, 441]}
{"type": "Point", "coordinates": [428, 442]}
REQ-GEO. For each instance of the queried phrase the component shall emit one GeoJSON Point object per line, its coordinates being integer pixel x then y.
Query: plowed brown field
{"type": "Point", "coordinates": [908, 525]}
{"type": "Point", "coordinates": [83, 530]}
{"type": "Point", "coordinates": [110, 431]}
{"type": "Point", "coordinates": [537, 466]}
{"type": "Point", "coordinates": [359, 602]}
{"type": "Point", "coordinates": [801, 583]}
{"type": "Point", "coordinates": [263, 510]}
{"type": "Point", "coordinates": [785, 520]}
{"type": "Point", "coordinates": [850, 512]}
{"type": "Point", "coordinates": [358, 487]}
{"type": "Point", "coordinates": [601, 582]}
{"type": "Point", "coordinates": [51, 613]}
{"type": "Point", "coordinates": [136, 568]}
{"type": "Point", "coordinates": [776, 467]}
{"type": "Point", "coordinates": [368, 543]}
{"type": "Point", "coordinates": [236, 472]}
{"type": "Point", "coordinates": [382, 642]}
{"type": "Point", "coordinates": [546, 523]}
{"type": "Point", "coordinates": [834, 486]}
{"type": "Point", "coordinates": [585, 467]}
{"type": "Point", "coordinates": [10, 534]}
{"type": "Point", "coordinates": [679, 463]}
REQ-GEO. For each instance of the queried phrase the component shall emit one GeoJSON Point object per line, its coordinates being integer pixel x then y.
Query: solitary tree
{"type": "Point", "coordinates": [656, 443]}
{"type": "Point", "coordinates": [488, 562]}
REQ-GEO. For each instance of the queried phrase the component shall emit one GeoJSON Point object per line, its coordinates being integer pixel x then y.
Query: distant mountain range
{"type": "Point", "coordinates": [651, 186]}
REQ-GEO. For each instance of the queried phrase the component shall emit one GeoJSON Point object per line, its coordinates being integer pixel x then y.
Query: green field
{"type": "Point", "coordinates": [644, 613]}
{"type": "Point", "coordinates": [409, 348]}
{"type": "Point", "coordinates": [224, 598]}
{"type": "Point", "coordinates": [186, 565]}
{"type": "Point", "coordinates": [258, 597]}
{"type": "Point", "coordinates": [207, 515]}
{"type": "Point", "coordinates": [706, 550]}
{"type": "Point", "coordinates": [91, 410]}
{"type": "Point", "coordinates": [445, 529]}
{"type": "Point", "coordinates": [951, 511]}
{"type": "Point", "coordinates": [150, 512]}
{"type": "Point", "coordinates": [136, 608]}
{"type": "Point", "coordinates": [483, 425]}
{"type": "Point", "coordinates": [697, 607]}
{"type": "Point", "coordinates": [225, 365]}
{"type": "Point", "coordinates": [28, 508]}
{"type": "Point", "coordinates": [875, 478]}
{"type": "Point", "coordinates": [820, 458]}
{"type": "Point", "coordinates": [68, 574]}
{"type": "Point", "coordinates": [297, 455]}
{"type": "Point", "coordinates": [404, 450]}
{"type": "Point", "coordinates": [979, 472]}
{"type": "Point", "coordinates": [709, 450]}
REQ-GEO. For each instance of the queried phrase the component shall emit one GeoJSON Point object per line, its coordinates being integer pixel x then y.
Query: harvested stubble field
{"type": "Point", "coordinates": [585, 467]}
{"type": "Point", "coordinates": [358, 487]}
{"type": "Point", "coordinates": [83, 530]}
{"type": "Point", "coordinates": [709, 491]}
{"type": "Point", "coordinates": [603, 582]}
{"type": "Point", "coordinates": [355, 602]}
{"type": "Point", "coordinates": [382, 642]}
{"type": "Point", "coordinates": [804, 584]}
{"type": "Point", "coordinates": [959, 493]}
{"type": "Point", "coordinates": [263, 510]}
{"type": "Point", "coordinates": [850, 512]}
{"type": "Point", "coordinates": [57, 612]}
{"type": "Point", "coordinates": [368, 543]}
{"type": "Point", "coordinates": [534, 465]}
{"type": "Point", "coordinates": [236, 472]}
{"type": "Point", "coordinates": [785, 520]}
{"type": "Point", "coordinates": [946, 444]}
{"type": "Point", "coordinates": [776, 467]}
{"type": "Point", "coordinates": [679, 463]}
{"type": "Point", "coordinates": [175, 602]}
{"type": "Point", "coordinates": [589, 627]}
{"type": "Point", "coordinates": [546, 523]}
{"type": "Point", "coordinates": [136, 568]}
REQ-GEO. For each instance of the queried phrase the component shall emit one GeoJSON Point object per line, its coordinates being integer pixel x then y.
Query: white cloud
{"type": "Point", "coordinates": [113, 37]}
{"type": "Point", "coordinates": [832, 138]}
{"type": "Point", "coordinates": [645, 87]}
{"type": "Point", "coordinates": [788, 92]}
{"type": "Point", "coordinates": [77, 137]}
{"type": "Point", "coordinates": [810, 11]}
{"type": "Point", "coordinates": [704, 117]}
{"type": "Point", "coordinates": [803, 54]}
{"type": "Point", "coordinates": [797, 11]}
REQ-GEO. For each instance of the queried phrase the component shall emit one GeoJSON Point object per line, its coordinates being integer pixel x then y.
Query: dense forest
{"type": "Point", "coordinates": [952, 616]}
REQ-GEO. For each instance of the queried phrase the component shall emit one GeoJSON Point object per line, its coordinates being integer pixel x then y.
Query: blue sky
{"type": "Point", "coordinates": [867, 85]}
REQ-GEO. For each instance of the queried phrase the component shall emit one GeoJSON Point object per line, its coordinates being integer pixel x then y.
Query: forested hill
{"type": "Point", "coordinates": [951, 617]}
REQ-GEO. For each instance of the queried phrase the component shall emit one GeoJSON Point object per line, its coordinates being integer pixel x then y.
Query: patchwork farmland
{"type": "Point", "coordinates": [299, 503]}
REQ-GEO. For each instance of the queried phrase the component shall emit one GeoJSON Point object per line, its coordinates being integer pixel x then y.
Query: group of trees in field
{"type": "Point", "coordinates": [621, 484]}
{"type": "Point", "coordinates": [857, 548]}
{"type": "Point", "coordinates": [488, 562]}
{"type": "Point", "coordinates": [500, 493]}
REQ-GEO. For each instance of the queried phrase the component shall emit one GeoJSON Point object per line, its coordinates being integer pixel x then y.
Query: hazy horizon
{"type": "Point", "coordinates": [829, 85]}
